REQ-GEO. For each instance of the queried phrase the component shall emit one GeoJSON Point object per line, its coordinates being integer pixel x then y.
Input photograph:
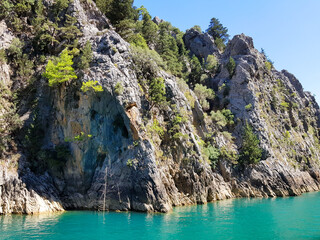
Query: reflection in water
{"type": "Point", "coordinates": [282, 218]}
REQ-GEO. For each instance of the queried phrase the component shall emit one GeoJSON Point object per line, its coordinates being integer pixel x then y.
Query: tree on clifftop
{"type": "Point", "coordinates": [217, 30]}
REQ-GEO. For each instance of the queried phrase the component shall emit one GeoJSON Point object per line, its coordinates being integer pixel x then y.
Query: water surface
{"type": "Point", "coordinates": [280, 218]}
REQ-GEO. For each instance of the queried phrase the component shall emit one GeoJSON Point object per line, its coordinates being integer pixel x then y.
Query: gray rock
{"type": "Point", "coordinates": [200, 44]}
{"type": "Point", "coordinates": [157, 20]}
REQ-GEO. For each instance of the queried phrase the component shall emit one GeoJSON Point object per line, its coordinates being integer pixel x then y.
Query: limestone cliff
{"type": "Point", "coordinates": [131, 155]}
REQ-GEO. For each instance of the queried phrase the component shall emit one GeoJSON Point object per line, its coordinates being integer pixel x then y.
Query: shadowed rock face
{"type": "Point", "coordinates": [200, 44]}
{"type": "Point", "coordinates": [125, 165]}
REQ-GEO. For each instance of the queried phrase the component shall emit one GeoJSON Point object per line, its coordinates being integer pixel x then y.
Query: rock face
{"type": "Point", "coordinates": [123, 163]}
{"type": "Point", "coordinates": [20, 191]}
{"type": "Point", "coordinates": [200, 44]}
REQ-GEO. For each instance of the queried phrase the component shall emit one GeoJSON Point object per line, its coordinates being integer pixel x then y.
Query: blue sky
{"type": "Point", "coordinates": [289, 31]}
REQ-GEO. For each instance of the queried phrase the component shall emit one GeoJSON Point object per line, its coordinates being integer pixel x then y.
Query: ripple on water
{"type": "Point", "coordinates": [280, 218]}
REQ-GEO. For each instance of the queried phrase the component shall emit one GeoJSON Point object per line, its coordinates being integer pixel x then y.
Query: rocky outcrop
{"type": "Point", "coordinates": [27, 193]}
{"type": "Point", "coordinates": [273, 103]}
{"type": "Point", "coordinates": [200, 44]}
{"type": "Point", "coordinates": [20, 190]}
{"type": "Point", "coordinates": [121, 153]}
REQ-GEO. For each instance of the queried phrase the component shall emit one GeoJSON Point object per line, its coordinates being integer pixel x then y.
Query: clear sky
{"type": "Point", "coordinates": [288, 30]}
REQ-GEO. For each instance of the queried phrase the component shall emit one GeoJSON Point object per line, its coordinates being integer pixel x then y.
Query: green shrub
{"type": "Point", "coordinates": [86, 56]}
{"type": "Point", "coordinates": [229, 155]}
{"type": "Point", "coordinates": [5, 8]}
{"type": "Point", "coordinates": [197, 28]}
{"type": "Point", "coordinates": [175, 125]}
{"type": "Point", "coordinates": [268, 65]}
{"type": "Point", "coordinates": [220, 44]}
{"type": "Point", "coordinates": [251, 152]}
{"type": "Point", "coordinates": [212, 154]}
{"type": "Point", "coordinates": [147, 62]}
{"type": "Point", "coordinates": [228, 115]}
{"type": "Point", "coordinates": [60, 70]}
{"type": "Point", "coordinates": [248, 107]}
{"type": "Point", "coordinates": [138, 41]}
{"type": "Point", "coordinates": [203, 94]}
{"type": "Point", "coordinates": [157, 90]}
{"type": "Point", "coordinates": [118, 88]}
{"type": "Point", "coordinates": [212, 63]}
{"type": "Point", "coordinates": [157, 128]}
{"type": "Point", "coordinates": [15, 49]}
{"type": "Point", "coordinates": [25, 68]}
{"type": "Point", "coordinates": [79, 138]}
{"type": "Point", "coordinates": [231, 66]}
{"type": "Point", "coordinates": [284, 105]}
{"type": "Point", "coordinates": [218, 118]}
{"type": "Point", "coordinates": [3, 56]}
{"type": "Point", "coordinates": [91, 86]}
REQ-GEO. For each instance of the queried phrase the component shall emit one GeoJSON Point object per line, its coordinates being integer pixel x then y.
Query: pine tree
{"type": "Point", "coordinates": [157, 90]}
{"type": "Point", "coordinates": [250, 152]}
{"type": "Point", "coordinates": [86, 56]}
{"type": "Point", "coordinates": [217, 30]}
{"type": "Point", "coordinates": [60, 70]}
{"type": "Point", "coordinates": [120, 10]}
{"type": "Point", "coordinates": [196, 70]}
{"type": "Point", "coordinates": [149, 29]}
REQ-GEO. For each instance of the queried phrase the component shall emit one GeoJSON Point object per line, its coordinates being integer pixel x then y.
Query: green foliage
{"type": "Point", "coordinates": [79, 138]}
{"type": "Point", "coordinates": [138, 41]}
{"type": "Point", "coordinates": [231, 66]}
{"type": "Point", "coordinates": [203, 93]}
{"type": "Point", "coordinates": [284, 105]}
{"type": "Point", "coordinates": [248, 107]}
{"type": "Point", "coordinates": [3, 56]}
{"type": "Point", "coordinates": [213, 154]}
{"type": "Point", "coordinates": [60, 70]}
{"type": "Point", "coordinates": [287, 135]}
{"type": "Point", "coordinates": [228, 115]}
{"type": "Point", "coordinates": [220, 44]}
{"type": "Point", "coordinates": [9, 119]}
{"type": "Point", "coordinates": [251, 152]}
{"type": "Point", "coordinates": [197, 28]}
{"type": "Point", "coordinates": [157, 128]}
{"type": "Point", "coordinates": [59, 6]}
{"type": "Point", "coordinates": [268, 65]}
{"type": "Point", "coordinates": [218, 118]}
{"type": "Point", "coordinates": [25, 68]}
{"type": "Point", "coordinates": [5, 8]}
{"type": "Point", "coordinates": [118, 88]}
{"type": "Point", "coordinates": [212, 63]}
{"type": "Point", "coordinates": [229, 155]}
{"type": "Point", "coordinates": [196, 71]}
{"type": "Point", "coordinates": [222, 118]}
{"type": "Point", "coordinates": [92, 86]}
{"type": "Point", "coordinates": [130, 162]}
{"type": "Point", "coordinates": [168, 49]}
{"type": "Point", "coordinates": [147, 62]}
{"type": "Point", "coordinates": [149, 29]}
{"type": "Point", "coordinates": [70, 32]}
{"type": "Point", "coordinates": [176, 122]}
{"type": "Point", "coordinates": [126, 29]}
{"type": "Point", "coordinates": [119, 10]}
{"type": "Point", "coordinates": [86, 56]}
{"type": "Point", "coordinates": [217, 30]}
{"type": "Point", "coordinates": [15, 49]}
{"type": "Point", "coordinates": [157, 90]}
{"type": "Point", "coordinates": [33, 137]}
{"type": "Point", "coordinates": [104, 5]}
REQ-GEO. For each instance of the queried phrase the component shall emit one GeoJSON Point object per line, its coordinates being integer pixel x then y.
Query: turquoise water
{"type": "Point", "coordinates": [281, 218]}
